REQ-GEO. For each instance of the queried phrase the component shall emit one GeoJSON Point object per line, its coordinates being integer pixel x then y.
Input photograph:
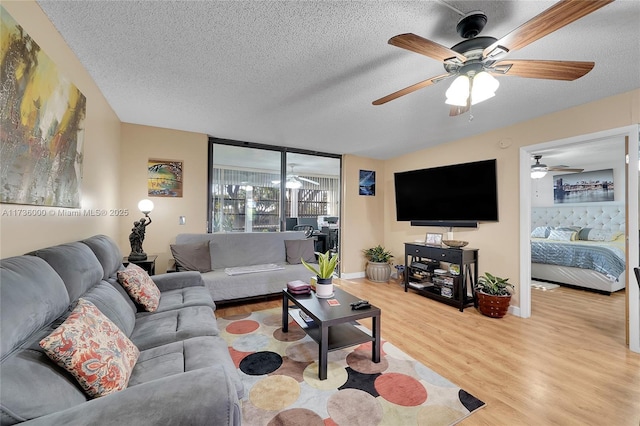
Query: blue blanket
{"type": "Point", "coordinates": [606, 260]}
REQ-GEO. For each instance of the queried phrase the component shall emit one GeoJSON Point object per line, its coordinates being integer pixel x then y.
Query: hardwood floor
{"type": "Point", "coordinates": [566, 365]}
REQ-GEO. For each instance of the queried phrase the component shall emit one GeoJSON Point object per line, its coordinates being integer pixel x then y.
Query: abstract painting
{"type": "Point", "coordinates": [367, 182]}
{"type": "Point", "coordinates": [42, 118]}
{"type": "Point", "coordinates": [165, 178]}
{"type": "Point", "coordinates": [588, 187]}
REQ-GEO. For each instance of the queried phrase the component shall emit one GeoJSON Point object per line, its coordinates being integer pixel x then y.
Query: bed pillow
{"type": "Point", "coordinates": [541, 232]}
{"type": "Point", "coordinates": [93, 349]}
{"type": "Point", "coordinates": [590, 234]}
{"type": "Point", "coordinates": [192, 257]}
{"type": "Point", "coordinates": [568, 228]}
{"type": "Point", "coordinates": [300, 249]}
{"type": "Point", "coordinates": [140, 287]}
{"type": "Point", "coordinates": [562, 235]}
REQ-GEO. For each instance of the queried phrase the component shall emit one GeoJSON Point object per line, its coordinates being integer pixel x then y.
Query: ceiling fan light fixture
{"type": "Point", "coordinates": [484, 87]}
{"type": "Point", "coordinates": [458, 93]}
{"type": "Point", "coordinates": [538, 172]}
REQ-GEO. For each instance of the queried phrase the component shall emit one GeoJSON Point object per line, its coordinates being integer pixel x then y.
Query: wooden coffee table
{"type": "Point", "coordinates": [331, 327]}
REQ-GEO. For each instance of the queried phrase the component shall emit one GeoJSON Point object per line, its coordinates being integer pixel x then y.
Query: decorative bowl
{"type": "Point", "coordinates": [455, 243]}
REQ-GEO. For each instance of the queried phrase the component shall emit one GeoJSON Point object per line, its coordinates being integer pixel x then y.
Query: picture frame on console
{"type": "Point", "coordinates": [433, 240]}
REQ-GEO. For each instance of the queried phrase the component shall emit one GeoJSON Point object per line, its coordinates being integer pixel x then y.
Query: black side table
{"type": "Point", "coordinates": [149, 264]}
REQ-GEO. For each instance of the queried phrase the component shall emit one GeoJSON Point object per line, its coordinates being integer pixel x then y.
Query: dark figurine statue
{"type": "Point", "coordinates": [137, 237]}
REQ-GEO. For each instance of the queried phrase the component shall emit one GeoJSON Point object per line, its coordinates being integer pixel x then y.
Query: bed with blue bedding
{"type": "Point", "coordinates": [590, 264]}
{"type": "Point", "coordinates": [580, 246]}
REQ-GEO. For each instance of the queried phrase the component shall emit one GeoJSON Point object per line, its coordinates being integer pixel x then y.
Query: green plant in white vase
{"type": "Point", "coordinates": [324, 271]}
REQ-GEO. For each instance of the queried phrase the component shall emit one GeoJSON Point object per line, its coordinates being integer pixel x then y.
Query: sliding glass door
{"type": "Point", "coordinates": [259, 188]}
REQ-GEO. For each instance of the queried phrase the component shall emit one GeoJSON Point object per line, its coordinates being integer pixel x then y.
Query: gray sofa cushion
{"type": "Point", "coordinates": [113, 305]}
{"type": "Point", "coordinates": [300, 249]}
{"type": "Point", "coordinates": [76, 264]}
{"type": "Point", "coordinates": [32, 295]}
{"type": "Point", "coordinates": [37, 386]}
{"type": "Point", "coordinates": [192, 257]}
{"type": "Point", "coordinates": [182, 298]}
{"type": "Point", "coordinates": [162, 328]}
{"type": "Point", "coordinates": [178, 290]}
{"type": "Point", "coordinates": [185, 355]}
{"type": "Point", "coordinates": [107, 252]}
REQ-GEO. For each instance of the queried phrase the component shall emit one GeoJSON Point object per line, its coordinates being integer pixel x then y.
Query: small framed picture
{"type": "Point", "coordinates": [433, 240]}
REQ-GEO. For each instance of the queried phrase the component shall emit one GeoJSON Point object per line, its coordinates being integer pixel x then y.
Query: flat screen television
{"type": "Point", "coordinates": [454, 195]}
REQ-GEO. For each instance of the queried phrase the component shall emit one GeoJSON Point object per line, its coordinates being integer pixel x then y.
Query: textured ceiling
{"type": "Point", "coordinates": [304, 74]}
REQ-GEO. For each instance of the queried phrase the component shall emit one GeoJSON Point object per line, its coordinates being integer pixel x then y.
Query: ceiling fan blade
{"type": "Point", "coordinates": [564, 169]}
{"type": "Point", "coordinates": [425, 47]}
{"type": "Point", "coordinates": [410, 89]}
{"type": "Point", "coordinates": [557, 16]}
{"type": "Point", "coordinates": [550, 70]}
{"type": "Point", "coordinates": [307, 180]}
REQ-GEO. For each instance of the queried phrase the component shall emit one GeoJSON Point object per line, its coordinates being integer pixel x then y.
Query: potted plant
{"type": "Point", "coordinates": [378, 269]}
{"type": "Point", "coordinates": [326, 265]}
{"type": "Point", "coordinates": [493, 295]}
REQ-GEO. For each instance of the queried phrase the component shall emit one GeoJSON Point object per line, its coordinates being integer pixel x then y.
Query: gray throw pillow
{"type": "Point", "coordinates": [300, 249]}
{"type": "Point", "coordinates": [192, 257]}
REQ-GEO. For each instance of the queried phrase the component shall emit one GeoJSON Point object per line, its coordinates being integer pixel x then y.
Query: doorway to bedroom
{"type": "Point", "coordinates": [542, 209]}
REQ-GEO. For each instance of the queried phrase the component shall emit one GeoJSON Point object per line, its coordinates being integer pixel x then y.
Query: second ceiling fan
{"type": "Point", "coordinates": [539, 170]}
{"type": "Point", "coordinates": [478, 59]}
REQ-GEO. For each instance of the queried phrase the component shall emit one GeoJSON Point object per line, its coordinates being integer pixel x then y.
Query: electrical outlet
{"type": "Point", "coordinates": [182, 220]}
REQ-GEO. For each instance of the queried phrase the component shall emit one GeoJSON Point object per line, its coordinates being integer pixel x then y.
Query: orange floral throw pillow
{"type": "Point", "coordinates": [93, 349]}
{"type": "Point", "coordinates": [140, 287]}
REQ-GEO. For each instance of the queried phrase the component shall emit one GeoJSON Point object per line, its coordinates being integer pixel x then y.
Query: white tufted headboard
{"type": "Point", "coordinates": [608, 217]}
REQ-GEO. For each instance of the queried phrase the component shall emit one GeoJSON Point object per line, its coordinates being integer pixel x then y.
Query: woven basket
{"type": "Point", "coordinates": [493, 306]}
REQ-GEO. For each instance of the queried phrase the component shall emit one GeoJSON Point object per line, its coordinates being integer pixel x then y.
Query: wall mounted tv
{"type": "Point", "coordinates": [459, 195]}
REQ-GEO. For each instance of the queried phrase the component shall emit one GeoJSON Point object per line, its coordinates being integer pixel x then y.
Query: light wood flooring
{"type": "Point", "coordinates": [566, 365]}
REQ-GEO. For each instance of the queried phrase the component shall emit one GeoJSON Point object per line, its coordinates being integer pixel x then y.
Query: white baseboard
{"type": "Point", "coordinates": [515, 310]}
{"type": "Point", "coordinates": [352, 275]}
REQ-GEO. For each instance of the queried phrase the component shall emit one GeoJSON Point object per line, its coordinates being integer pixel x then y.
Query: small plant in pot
{"type": "Point", "coordinates": [493, 295]}
{"type": "Point", "coordinates": [324, 271]}
{"type": "Point", "coordinates": [378, 269]}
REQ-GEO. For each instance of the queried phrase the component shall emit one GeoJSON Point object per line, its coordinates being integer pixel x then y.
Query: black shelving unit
{"type": "Point", "coordinates": [421, 260]}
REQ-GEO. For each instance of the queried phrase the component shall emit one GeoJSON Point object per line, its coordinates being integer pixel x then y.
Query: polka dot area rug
{"type": "Point", "coordinates": [280, 374]}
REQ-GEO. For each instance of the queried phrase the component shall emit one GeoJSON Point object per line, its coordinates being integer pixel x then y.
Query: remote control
{"type": "Point", "coordinates": [361, 304]}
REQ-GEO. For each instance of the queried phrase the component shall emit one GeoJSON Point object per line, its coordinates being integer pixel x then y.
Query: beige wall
{"type": "Point", "coordinates": [362, 217]}
{"type": "Point", "coordinates": [498, 242]}
{"type": "Point", "coordinates": [101, 153]}
{"type": "Point", "coordinates": [141, 143]}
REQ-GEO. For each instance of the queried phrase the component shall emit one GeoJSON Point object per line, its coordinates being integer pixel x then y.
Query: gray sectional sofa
{"type": "Point", "coordinates": [240, 249]}
{"type": "Point", "coordinates": [184, 374]}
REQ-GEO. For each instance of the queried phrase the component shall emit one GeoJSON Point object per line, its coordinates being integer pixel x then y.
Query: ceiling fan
{"type": "Point", "coordinates": [475, 61]}
{"type": "Point", "coordinates": [295, 181]}
{"type": "Point", "coordinates": [539, 170]}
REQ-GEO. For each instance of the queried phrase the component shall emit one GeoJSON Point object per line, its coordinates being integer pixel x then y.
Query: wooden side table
{"type": "Point", "coordinates": [149, 264]}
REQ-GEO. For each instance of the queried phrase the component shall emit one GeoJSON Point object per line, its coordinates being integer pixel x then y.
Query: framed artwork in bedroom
{"type": "Point", "coordinates": [586, 187]}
